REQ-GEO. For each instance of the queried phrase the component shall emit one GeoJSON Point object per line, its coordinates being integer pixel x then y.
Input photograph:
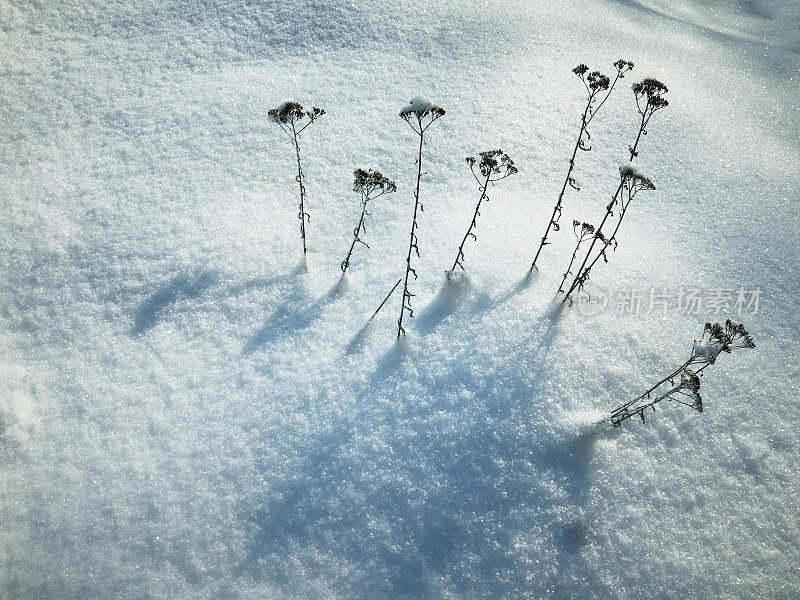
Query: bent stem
{"type": "Point", "coordinates": [377, 310]}
{"type": "Point", "coordinates": [733, 336]}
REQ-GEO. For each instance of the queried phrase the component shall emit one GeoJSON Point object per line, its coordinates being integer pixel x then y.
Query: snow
{"type": "Point", "coordinates": [628, 169]}
{"type": "Point", "coordinates": [708, 352]}
{"type": "Point", "coordinates": [182, 412]}
{"type": "Point", "coordinates": [418, 106]}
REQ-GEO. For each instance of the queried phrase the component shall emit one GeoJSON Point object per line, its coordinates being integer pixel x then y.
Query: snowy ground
{"type": "Point", "coordinates": [182, 414]}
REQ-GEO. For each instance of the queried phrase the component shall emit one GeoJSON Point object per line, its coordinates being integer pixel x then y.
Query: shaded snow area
{"type": "Point", "coordinates": [185, 412]}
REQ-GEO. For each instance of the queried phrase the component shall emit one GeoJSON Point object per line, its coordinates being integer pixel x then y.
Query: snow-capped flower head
{"type": "Point", "coordinates": [367, 181]}
{"type": "Point", "coordinates": [420, 108]}
{"type": "Point", "coordinates": [634, 178]}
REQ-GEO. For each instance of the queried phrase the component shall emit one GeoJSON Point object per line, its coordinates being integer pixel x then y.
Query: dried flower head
{"type": "Point", "coordinates": [652, 90]}
{"type": "Point", "coordinates": [582, 229]}
{"type": "Point", "coordinates": [690, 386]}
{"type": "Point", "coordinates": [580, 70]}
{"type": "Point", "coordinates": [493, 162]}
{"type": "Point", "coordinates": [732, 336]}
{"type": "Point", "coordinates": [597, 81]}
{"type": "Point", "coordinates": [623, 66]}
{"type": "Point", "coordinates": [292, 112]}
{"type": "Point", "coordinates": [690, 380]}
{"type": "Point", "coordinates": [368, 181]}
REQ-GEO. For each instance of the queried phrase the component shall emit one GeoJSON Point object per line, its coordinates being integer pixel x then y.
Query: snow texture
{"type": "Point", "coordinates": [182, 412]}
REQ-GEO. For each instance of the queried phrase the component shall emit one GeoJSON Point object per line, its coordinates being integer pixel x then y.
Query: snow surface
{"type": "Point", "coordinates": [182, 411]}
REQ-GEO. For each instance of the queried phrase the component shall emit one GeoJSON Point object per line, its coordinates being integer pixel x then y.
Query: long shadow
{"type": "Point", "coordinates": [192, 285]}
{"type": "Point", "coordinates": [182, 287]}
{"type": "Point", "coordinates": [562, 458]}
{"type": "Point", "coordinates": [293, 516]}
{"type": "Point", "coordinates": [237, 289]}
{"type": "Point", "coordinates": [418, 503]}
{"type": "Point", "coordinates": [453, 293]}
{"type": "Point", "coordinates": [511, 292]}
{"type": "Point", "coordinates": [446, 498]}
{"type": "Point", "coordinates": [293, 315]}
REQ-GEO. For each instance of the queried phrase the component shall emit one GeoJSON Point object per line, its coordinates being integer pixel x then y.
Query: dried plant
{"type": "Point", "coordinates": [632, 181]}
{"type": "Point", "coordinates": [293, 120]}
{"type": "Point", "coordinates": [684, 382]}
{"type": "Point", "coordinates": [386, 299]}
{"type": "Point", "coordinates": [649, 99]}
{"type": "Point", "coordinates": [419, 114]}
{"type": "Point", "coordinates": [595, 83]}
{"type": "Point", "coordinates": [494, 165]}
{"type": "Point", "coordinates": [358, 339]}
{"type": "Point", "coordinates": [583, 232]}
{"type": "Point", "coordinates": [370, 185]}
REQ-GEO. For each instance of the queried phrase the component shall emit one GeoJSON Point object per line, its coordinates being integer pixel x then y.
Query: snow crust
{"type": "Point", "coordinates": [708, 351]}
{"type": "Point", "coordinates": [418, 106]}
{"type": "Point", "coordinates": [182, 412]}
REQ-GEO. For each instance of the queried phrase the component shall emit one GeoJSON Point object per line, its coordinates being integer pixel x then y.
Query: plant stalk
{"type": "Point", "coordinates": [356, 233]}
{"type": "Point", "coordinates": [582, 273]}
{"type": "Point", "coordinates": [412, 245]}
{"type": "Point", "coordinates": [460, 254]}
{"type": "Point", "coordinates": [299, 180]}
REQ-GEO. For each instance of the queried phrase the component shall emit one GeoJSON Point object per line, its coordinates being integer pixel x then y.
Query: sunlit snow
{"type": "Point", "coordinates": [187, 410]}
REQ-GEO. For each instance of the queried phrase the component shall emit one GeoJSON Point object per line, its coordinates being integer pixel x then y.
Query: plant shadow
{"type": "Point", "coordinates": [184, 286]}
{"type": "Point", "coordinates": [453, 499]}
{"type": "Point", "coordinates": [510, 293]}
{"type": "Point", "coordinates": [454, 293]}
{"type": "Point", "coordinates": [359, 339]}
{"type": "Point", "coordinates": [294, 314]}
